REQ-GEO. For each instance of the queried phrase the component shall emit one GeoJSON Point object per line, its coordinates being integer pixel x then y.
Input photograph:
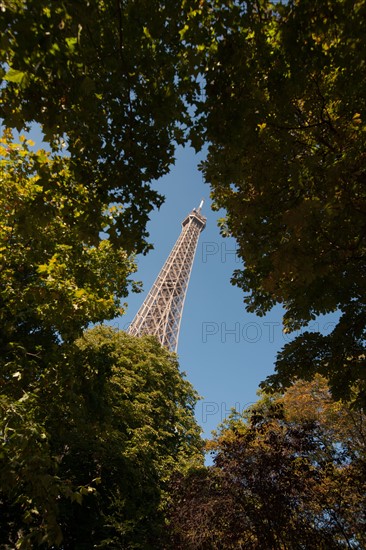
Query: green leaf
{"type": "Point", "coordinates": [71, 43]}
{"type": "Point", "coordinates": [15, 76]}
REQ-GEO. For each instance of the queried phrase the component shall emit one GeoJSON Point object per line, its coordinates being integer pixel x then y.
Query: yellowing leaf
{"type": "Point", "coordinates": [14, 76]}
{"type": "Point", "coordinates": [71, 43]}
{"type": "Point", "coordinates": [147, 33]}
{"type": "Point", "coordinates": [183, 31]}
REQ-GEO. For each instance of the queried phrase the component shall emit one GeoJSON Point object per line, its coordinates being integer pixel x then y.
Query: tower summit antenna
{"type": "Point", "coordinates": [161, 311]}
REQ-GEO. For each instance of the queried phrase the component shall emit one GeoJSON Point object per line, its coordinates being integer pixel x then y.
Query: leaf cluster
{"type": "Point", "coordinates": [111, 79]}
{"type": "Point", "coordinates": [285, 119]}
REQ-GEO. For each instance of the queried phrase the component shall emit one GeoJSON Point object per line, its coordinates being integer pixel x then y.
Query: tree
{"type": "Point", "coordinates": [81, 442]}
{"type": "Point", "coordinates": [285, 475]}
{"type": "Point", "coordinates": [102, 437]}
{"type": "Point", "coordinates": [138, 429]}
{"type": "Point", "coordinates": [55, 279]}
{"type": "Point", "coordinates": [111, 80]}
{"type": "Point", "coordinates": [50, 255]}
{"type": "Point", "coordinates": [284, 115]}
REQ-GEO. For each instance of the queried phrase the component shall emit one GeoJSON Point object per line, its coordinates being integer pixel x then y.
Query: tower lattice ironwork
{"type": "Point", "coordinates": [161, 311]}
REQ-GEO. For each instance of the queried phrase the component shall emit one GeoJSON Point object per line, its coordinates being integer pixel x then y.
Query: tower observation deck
{"type": "Point", "coordinates": [161, 311]}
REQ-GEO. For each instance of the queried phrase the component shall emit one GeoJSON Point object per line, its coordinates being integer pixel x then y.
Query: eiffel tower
{"type": "Point", "coordinates": [161, 311]}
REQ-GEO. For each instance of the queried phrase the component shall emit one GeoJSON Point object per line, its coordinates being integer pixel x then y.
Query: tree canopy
{"type": "Point", "coordinates": [88, 449]}
{"type": "Point", "coordinates": [282, 110]}
{"type": "Point", "coordinates": [287, 473]}
{"type": "Point", "coordinates": [113, 81]}
{"type": "Point", "coordinates": [284, 115]}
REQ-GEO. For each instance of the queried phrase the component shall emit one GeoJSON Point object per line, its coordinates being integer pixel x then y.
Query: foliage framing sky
{"type": "Point", "coordinates": [225, 351]}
